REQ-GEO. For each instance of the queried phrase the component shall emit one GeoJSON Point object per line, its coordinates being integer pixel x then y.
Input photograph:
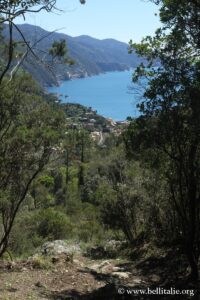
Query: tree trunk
{"type": "Point", "coordinates": [194, 274]}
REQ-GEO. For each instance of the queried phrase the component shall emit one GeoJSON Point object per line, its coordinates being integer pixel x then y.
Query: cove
{"type": "Point", "coordinates": [112, 94]}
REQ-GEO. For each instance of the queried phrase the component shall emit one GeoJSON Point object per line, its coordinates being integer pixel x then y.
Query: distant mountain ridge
{"type": "Point", "coordinates": [92, 56]}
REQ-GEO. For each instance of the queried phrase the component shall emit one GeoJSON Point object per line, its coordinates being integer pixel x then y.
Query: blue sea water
{"type": "Point", "coordinates": [112, 94]}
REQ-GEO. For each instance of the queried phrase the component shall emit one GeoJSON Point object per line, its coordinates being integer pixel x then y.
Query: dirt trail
{"type": "Point", "coordinates": [63, 280]}
{"type": "Point", "coordinates": [82, 279]}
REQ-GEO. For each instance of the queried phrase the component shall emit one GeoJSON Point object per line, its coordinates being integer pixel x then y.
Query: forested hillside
{"type": "Point", "coordinates": [91, 56]}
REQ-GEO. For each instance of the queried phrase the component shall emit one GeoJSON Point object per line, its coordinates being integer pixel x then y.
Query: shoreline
{"type": "Point", "coordinates": [73, 78]}
{"type": "Point", "coordinates": [107, 93]}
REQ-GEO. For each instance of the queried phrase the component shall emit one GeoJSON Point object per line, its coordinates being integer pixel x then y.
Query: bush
{"type": "Point", "coordinates": [53, 225]}
{"type": "Point", "coordinates": [24, 243]}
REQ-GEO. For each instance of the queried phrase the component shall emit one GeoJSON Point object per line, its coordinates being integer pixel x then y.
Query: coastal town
{"type": "Point", "coordinates": [79, 116]}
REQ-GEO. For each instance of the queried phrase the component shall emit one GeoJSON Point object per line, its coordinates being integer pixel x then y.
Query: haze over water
{"type": "Point", "coordinates": [109, 94]}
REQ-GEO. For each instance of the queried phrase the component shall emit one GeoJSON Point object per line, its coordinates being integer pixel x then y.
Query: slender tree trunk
{"type": "Point", "coordinates": [193, 220]}
{"type": "Point", "coordinates": [67, 168]}
{"type": "Point", "coordinates": [194, 275]}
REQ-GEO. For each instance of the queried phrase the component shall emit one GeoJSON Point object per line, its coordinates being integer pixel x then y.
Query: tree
{"type": "Point", "coordinates": [169, 128]}
{"type": "Point", "coordinates": [30, 127]}
{"type": "Point", "coordinates": [115, 186]}
{"type": "Point", "coordinates": [83, 140]}
{"type": "Point", "coordinates": [30, 136]}
{"type": "Point", "coordinates": [59, 50]}
{"type": "Point", "coordinates": [9, 11]}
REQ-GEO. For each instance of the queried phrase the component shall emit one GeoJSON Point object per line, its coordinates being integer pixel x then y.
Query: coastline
{"type": "Point", "coordinates": [75, 76]}
{"type": "Point", "coordinates": [107, 93]}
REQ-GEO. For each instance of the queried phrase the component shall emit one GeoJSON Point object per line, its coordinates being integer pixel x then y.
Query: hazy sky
{"type": "Point", "coordinates": [119, 19]}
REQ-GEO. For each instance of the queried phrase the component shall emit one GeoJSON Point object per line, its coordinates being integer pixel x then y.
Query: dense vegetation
{"type": "Point", "coordinates": [142, 186]}
{"type": "Point", "coordinates": [169, 131]}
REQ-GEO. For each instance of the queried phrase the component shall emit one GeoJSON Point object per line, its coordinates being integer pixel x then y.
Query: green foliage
{"type": "Point", "coordinates": [88, 228]}
{"type": "Point", "coordinates": [59, 50]}
{"type": "Point", "coordinates": [29, 132]}
{"type": "Point", "coordinates": [53, 225]}
{"type": "Point", "coordinates": [24, 244]}
{"type": "Point", "coordinates": [46, 180]}
{"type": "Point", "coordinates": [167, 135]}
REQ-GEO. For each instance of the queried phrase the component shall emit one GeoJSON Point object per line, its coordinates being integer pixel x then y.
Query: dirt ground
{"type": "Point", "coordinates": [81, 279]}
{"type": "Point", "coordinates": [23, 282]}
{"type": "Point", "coordinates": [84, 279]}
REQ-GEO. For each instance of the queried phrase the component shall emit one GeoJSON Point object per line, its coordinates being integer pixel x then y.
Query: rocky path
{"type": "Point", "coordinates": [61, 276]}
{"type": "Point", "coordinates": [80, 279]}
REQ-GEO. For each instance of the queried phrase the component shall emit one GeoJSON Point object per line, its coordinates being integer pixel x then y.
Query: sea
{"type": "Point", "coordinates": [112, 94]}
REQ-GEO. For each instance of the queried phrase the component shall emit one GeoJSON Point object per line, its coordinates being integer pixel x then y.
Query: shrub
{"type": "Point", "coordinates": [53, 224]}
